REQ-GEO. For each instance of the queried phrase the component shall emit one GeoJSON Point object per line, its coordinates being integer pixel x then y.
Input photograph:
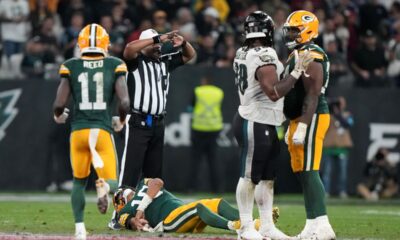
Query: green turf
{"type": "Point", "coordinates": [350, 219]}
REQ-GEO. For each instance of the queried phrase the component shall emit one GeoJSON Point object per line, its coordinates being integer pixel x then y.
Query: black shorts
{"type": "Point", "coordinates": [259, 145]}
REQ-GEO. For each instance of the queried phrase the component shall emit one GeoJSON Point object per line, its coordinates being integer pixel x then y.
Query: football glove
{"type": "Point", "coordinates": [302, 60]}
{"type": "Point", "coordinates": [116, 124]}
{"type": "Point", "coordinates": [63, 116]}
{"type": "Point", "coordinates": [299, 135]}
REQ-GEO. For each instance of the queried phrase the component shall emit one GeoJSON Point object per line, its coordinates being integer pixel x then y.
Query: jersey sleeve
{"type": "Point", "coordinates": [121, 68]}
{"type": "Point", "coordinates": [64, 72]}
{"type": "Point", "coordinates": [266, 56]}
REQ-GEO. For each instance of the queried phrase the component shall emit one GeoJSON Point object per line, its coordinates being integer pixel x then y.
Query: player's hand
{"type": "Point", "coordinates": [287, 136]}
{"type": "Point", "coordinates": [168, 36]}
{"type": "Point", "coordinates": [116, 124]}
{"type": "Point", "coordinates": [139, 221]}
{"type": "Point", "coordinates": [302, 60]}
{"type": "Point", "coordinates": [299, 135]}
{"type": "Point", "coordinates": [63, 116]}
{"type": "Point", "coordinates": [177, 40]}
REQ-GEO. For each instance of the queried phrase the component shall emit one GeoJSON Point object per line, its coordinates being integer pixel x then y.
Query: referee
{"type": "Point", "coordinates": [148, 84]}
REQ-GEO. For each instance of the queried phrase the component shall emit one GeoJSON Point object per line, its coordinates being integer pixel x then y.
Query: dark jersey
{"type": "Point", "coordinates": [161, 206]}
{"type": "Point", "coordinates": [293, 103]}
{"type": "Point", "coordinates": [92, 83]}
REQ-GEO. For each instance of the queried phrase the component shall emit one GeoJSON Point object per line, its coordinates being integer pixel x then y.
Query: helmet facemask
{"type": "Point", "coordinates": [292, 36]}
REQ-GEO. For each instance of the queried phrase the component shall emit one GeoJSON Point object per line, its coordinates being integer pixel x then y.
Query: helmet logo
{"type": "Point", "coordinates": [307, 18]}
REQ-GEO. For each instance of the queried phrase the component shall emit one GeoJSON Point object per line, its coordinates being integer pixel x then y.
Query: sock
{"type": "Point", "coordinates": [245, 201]}
{"type": "Point", "coordinates": [227, 211]}
{"type": "Point", "coordinates": [264, 194]}
{"type": "Point", "coordinates": [78, 198]}
{"type": "Point", "coordinates": [113, 185]}
{"type": "Point", "coordinates": [210, 218]}
{"type": "Point", "coordinates": [80, 227]}
{"type": "Point", "coordinates": [314, 194]}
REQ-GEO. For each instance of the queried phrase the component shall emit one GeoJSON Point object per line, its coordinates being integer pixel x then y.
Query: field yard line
{"type": "Point", "coordinates": [379, 212]}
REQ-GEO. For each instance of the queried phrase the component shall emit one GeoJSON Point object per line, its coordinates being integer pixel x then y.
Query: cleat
{"type": "Point", "coordinates": [102, 189]}
{"type": "Point", "coordinates": [249, 233]}
{"type": "Point", "coordinates": [234, 225]}
{"type": "Point", "coordinates": [274, 233]}
{"type": "Point", "coordinates": [114, 225]}
{"type": "Point", "coordinates": [80, 231]}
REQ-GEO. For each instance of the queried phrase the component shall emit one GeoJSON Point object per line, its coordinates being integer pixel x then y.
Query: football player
{"type": "Point", "coordinates": [150, 207]}
{"type": "Point", "coordinates": [92, 80]}
{"type": "Point", "coordinates": [257, 76]}
{"type": "Point", "coordinates": [306, 107]}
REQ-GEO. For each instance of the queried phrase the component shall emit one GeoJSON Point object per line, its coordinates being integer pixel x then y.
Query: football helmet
{"type": "Point", "coordinates": [259, 25]}
{"type": "Point", "coordinates": [122, 197]}
{"type": "Point", "coordinates": [93, 38]}
{"type": "Point", "coordinates": [300, 27]}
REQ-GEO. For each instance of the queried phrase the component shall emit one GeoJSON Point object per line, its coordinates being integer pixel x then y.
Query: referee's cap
{"type": "Point", "coordinates": [148, 33]}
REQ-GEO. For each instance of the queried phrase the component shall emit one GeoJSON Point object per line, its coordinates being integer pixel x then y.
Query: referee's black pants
{"type": "Point", "coordinates": [143, 153]}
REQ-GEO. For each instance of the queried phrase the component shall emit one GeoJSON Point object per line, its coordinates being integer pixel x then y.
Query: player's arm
{"type": "Point", "coordinates": [59, 109]}
{"type": "Point", "coordinates": [133, 48]}
{"type": "Point", "coordinates": [269, 80]}
{"type": "Point", "coordinates": [312, 85]}
{"type": "Point", "coordinates": [121, 91]}
{"type": "Point", "coordinates": [154, 186]}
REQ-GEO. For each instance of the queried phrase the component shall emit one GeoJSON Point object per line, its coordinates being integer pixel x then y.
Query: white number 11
{"type": "Point", "coordinates": [85, 104]}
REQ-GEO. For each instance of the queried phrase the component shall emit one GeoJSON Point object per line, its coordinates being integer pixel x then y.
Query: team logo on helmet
{"type": "Point", "coordinates": [307, 18]}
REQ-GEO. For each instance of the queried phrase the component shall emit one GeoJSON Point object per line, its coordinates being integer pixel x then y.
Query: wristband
{"type": "Point", "coordinates": [146, 200]}
{"type": "Point", "coordinates": [184, 43]}
{"type": "Point", "coordinates": [302, 127]}
{"type": "Point", "coordinates": [156, 39]}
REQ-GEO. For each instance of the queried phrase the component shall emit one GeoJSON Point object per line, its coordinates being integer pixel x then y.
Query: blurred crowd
{"type": "Point", "coordinates": [361, 37]}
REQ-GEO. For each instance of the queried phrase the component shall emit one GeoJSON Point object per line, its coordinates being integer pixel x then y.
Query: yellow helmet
{"type": "Point", "coordinates": [121, 197]}
{"type": "Point", "coordinates": [93, 38]}
{"type": "Point", "coordinates": [300, 27]}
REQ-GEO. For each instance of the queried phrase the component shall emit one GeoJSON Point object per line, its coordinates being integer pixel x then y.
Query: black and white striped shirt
{"type": "Point", "coordinates": [148, 82]}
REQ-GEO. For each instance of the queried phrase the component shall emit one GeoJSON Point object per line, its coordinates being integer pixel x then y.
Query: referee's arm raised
{"type": "Point", "coordinates": [188, 51]}
{"type": "Point", "coordinates": [133, 48]}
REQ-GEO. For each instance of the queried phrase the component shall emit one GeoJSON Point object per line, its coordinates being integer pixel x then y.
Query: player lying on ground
{"type": "Point", "coordinates": [152, 208]}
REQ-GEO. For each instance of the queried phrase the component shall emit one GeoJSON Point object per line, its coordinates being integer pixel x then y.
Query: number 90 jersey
{"type": "Point", "coordinates": [92, 83]}
{"type": "Point", "coordinates": [254, 103]}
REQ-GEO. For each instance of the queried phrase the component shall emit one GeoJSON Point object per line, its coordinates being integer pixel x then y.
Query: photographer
{"type": "Point", "coordinates": [379, 178]}
{"type": "Point", "coordinates": [337, 145]}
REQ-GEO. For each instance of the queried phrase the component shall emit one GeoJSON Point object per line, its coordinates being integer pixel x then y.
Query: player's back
{"type": "Point", "coordinates": [161, 206]}
{"type": "Point", "coordinates": [92, 83]}
{"type": "Point", "coordinates": [295, 98]}
{"type": "Point", "coordinates": [254, 103]}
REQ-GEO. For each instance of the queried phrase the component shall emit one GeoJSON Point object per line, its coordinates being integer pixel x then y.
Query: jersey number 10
{"type": "Point", "coordinates": [85, 104]}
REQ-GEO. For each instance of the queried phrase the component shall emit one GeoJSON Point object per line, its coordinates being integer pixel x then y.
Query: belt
{"type": "Point", "coordinates": [143, 119]}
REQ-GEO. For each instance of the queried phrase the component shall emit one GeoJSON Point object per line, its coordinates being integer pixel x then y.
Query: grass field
{"type": "Point", "coordinates": [51, 215]}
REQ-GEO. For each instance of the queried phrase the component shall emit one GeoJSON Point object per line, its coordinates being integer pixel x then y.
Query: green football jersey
{"type": "Point", "coordinates": [92, 83]}
{"type": "Point", "coordinates": [161, 206]}
{"type": "Point", "coordinates": [293, 104]}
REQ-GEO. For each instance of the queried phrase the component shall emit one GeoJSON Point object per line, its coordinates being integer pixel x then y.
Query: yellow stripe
{"type": "Point", "coordinates": [121, 68]}
{"type": "Point", "coordinates": [63, 70]}
{"type": "Point", "coordinates": [323, 125]}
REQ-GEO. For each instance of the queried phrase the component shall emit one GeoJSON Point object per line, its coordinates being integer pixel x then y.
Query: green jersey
{"type": "Point", "coordinates": [293, 104]}
{"type": "Point", "coordinates": [161, 206]}
{"type": "Point", "coordinates": [92, 83]}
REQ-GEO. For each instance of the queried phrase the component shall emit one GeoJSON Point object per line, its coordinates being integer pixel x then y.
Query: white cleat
{"type": "Point", "coordinates": [321, 232]}
{"type": "Point", "coordinates": [80, 234]}
{"type": "Point", "coordinates": [249, 233]}
{"type": "Point", "coordinates": [274, 233]}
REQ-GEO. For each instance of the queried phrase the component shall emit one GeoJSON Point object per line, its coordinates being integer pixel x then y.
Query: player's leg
{"type": "Point", "coordinates": [136, 142]}
{"type": "Point", "coordinates": [153, 162]}
{"type": "Point", "coordinates": [244, 135]}
{"type": "Point", "coordinates": [306, 163]}
{"type": "Point", "coordinates": [211, 156]}
{"type": "Point", "coordinates": [80, 161]}
{"type": "Point", "coordinates": [104, 160]}
{"type": "Point", "coordinates": [212, 219]}
{"type": "Point", "coordinates": [265, 158]}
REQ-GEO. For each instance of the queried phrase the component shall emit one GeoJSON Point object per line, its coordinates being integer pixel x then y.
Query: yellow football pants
{"type": "Point", "coordinates": [93, 146]}
{"type": "Point", "coordinates": [185, 219]}
{"type": "Point", "coordinates": [307, 157]}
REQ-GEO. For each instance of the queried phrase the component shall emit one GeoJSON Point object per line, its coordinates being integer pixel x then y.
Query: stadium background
{"type": "Point", "coordinates": [33, 147]}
